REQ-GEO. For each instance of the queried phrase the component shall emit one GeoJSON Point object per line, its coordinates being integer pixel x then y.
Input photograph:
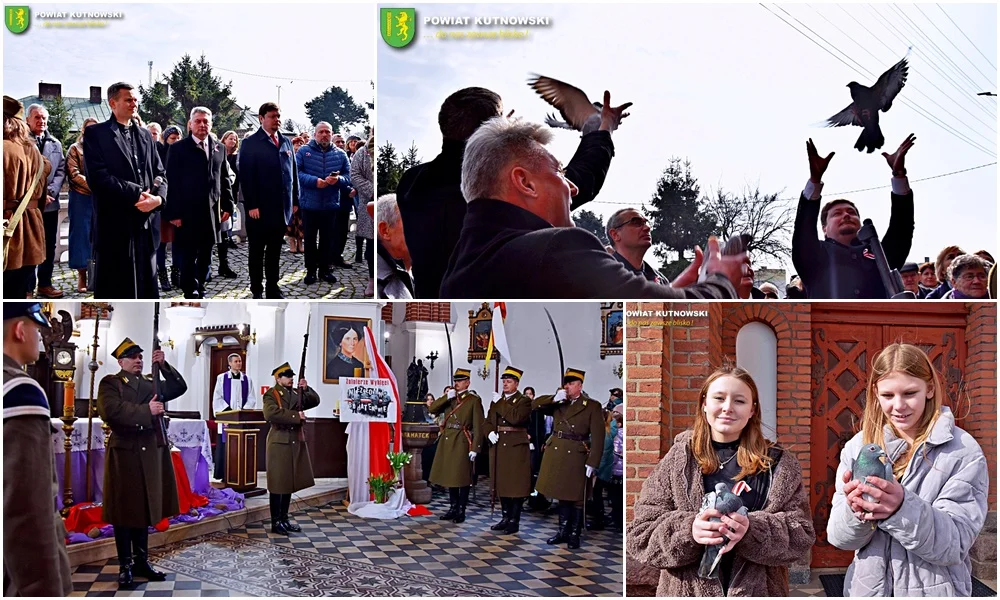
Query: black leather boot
{"type": "Point", "coordinates": [453, 508]}
{"type": "Point", "coordinates": [502, 525]}
{"type": "Point", "coordinates": [574, 527]}
{"type": "Point", "coordinates": [514, 506]}
{"type": "Point", "coordinates": [140, 556]}
{"type": "Point", "coordinates": [125, 574]}
{"type": "Point", "coordinates": [562, 534]}
{"type": "Point", "coordinates": [175, 276]}
{"type": "Point", "coordinates": [277, 526]}
{"type": "Point", "coordinates": [286, 501]}
{"type": "Point", "coordinates": [463, 502]}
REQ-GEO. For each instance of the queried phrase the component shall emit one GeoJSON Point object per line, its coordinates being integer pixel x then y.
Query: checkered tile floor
{"type": "Point", "coordinates": [339, 554]}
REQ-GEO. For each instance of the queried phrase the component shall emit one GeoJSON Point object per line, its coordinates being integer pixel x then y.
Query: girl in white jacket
{"type": "Point", "coordinates": [914, 538]}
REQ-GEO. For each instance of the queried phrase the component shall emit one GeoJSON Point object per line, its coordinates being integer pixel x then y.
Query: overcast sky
{"type": "Point", "coordinates": [738, 92]}
{"type": "Point", "coordinates": [287, 43]}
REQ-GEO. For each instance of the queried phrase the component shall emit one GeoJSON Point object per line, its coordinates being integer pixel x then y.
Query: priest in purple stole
{"type": "Point", "coordinates": [233, 391]}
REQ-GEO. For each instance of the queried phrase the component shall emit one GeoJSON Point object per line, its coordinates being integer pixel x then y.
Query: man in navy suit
{"type": "Point", "coordinates": [128, 183]}
{"type": "Point", "coordinates": [270, 183]}
{"type": "Point", "coordinates": [203, 198]}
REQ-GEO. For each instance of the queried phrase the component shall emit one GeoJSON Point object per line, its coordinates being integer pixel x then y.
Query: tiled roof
{"type": "Point", "coordinates": [79, 109]}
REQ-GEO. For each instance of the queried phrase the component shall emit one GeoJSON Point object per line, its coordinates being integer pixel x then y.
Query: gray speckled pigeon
{"type": "Point", "coordinates": [578, 111]}
{"type": "Point", "coordinates": [868, 464]}
{"type": "Point", "coordinates": [726, 503]}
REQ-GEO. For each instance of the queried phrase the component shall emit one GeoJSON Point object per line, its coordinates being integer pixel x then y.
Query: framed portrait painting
{"type": "Point", "coordinates": [344, 351]}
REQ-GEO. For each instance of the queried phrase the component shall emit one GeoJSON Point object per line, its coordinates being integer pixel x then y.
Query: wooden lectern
{"type": "Point", "coordinates": [243, 440]}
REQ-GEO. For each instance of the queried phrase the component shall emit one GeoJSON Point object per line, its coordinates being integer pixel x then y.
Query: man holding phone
{"type": "Point", "coordinates": [324, 171]}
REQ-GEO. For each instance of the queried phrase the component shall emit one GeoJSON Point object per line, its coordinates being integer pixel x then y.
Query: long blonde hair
{"type": "Point", "coordinates": [752, 452]}
{"type": "Point", "coordinates": [909, 360]}
{"type": "Point", "coordinates": [79, 138]}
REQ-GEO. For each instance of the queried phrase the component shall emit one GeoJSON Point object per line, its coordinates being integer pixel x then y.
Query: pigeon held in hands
{"type": "Point", "coordinates": [867, 102]}
{"type": "Point", "coordinates": [868, 464]}
{"type": "Point", "coordinates": [578, 111]}
{"type": "Point", "coordinates": [726, 503]}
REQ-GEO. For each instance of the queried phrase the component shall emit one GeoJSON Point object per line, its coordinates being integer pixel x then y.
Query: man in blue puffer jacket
{"type": "Point", "coordinates": [323, 171]}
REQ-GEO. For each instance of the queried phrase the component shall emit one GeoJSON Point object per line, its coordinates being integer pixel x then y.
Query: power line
{"type": "Point", "coordinates": [967, 37]}
{"type": "Point", "coordinates": [920, 91]}
{"type": "Point", "coordinates": [858, 191]}
{"type": "Point", "coordinates": [911, 105]}
{"type": "Point", "coordinates": [964, 55]}
{"type": "Point", "coordinates": [289, 79]}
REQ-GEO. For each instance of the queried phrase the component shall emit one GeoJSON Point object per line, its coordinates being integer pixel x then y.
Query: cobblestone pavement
{"type": "Point", "coordinates": [351, 283]}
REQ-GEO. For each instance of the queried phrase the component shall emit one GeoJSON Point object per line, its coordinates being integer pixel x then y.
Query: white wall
{"type": "Point", "coordinates": [757, 352]}
{"type": "Point", "coordinates": [279, 327]}
{"type": "Point", "coordinates": [531, 342]}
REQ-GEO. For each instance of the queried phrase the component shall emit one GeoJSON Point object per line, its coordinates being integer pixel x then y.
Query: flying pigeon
{"type": "Point", "coordinates": [726, 503]}
{"type": "Point", "coordinates": [868, 464]}
{"type": "Point", "coordinates": [867, 101]}
{"type": "Point", "coordinates": [579, 113]}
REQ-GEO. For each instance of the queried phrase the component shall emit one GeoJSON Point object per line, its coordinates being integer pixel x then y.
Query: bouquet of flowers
{"type": "Point", "coordinates": [398, 460]}
{"type": "Point", "coordinates": [380, 486]}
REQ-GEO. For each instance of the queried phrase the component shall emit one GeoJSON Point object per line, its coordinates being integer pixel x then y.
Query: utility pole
{"type": "Point", "coordinates": [279, 95]}
{"type": "Point", "coordinates": [150, 73]}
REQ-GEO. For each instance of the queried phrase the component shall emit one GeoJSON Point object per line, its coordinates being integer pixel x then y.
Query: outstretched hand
{"type": "Point", "coordinates": [817, 164]}
{"type": "Point", "coordinates": [897, 160]}
{"type": "Point", "coordinates": [611, 116]}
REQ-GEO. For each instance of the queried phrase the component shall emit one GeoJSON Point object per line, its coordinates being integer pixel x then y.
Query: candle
{"type": "Point", "coordinates": [69, 398]}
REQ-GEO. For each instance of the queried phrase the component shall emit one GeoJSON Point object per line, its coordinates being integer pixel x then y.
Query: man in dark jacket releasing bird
{"type": "Point", "coordinates": [867, 101]}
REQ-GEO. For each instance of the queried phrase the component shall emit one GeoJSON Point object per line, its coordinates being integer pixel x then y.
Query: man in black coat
{"type": "Point", "coordinates": [270, 184]}
{"type": "Point", "coordinates": [841, 266]}
{"type": "Point", "coordinates": [518, 222]}
{"type": "Point", "coordinates": [203, 199]}
{"type": "Point", "coordinates": [128, 182]}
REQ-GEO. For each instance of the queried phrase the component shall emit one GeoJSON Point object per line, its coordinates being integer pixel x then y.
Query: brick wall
{"type": "Point", "coordinates": [435, 312]}
{"type": "Point", "coordinates": [387, 313]}
{"type": "Point", "coordinates": [980, 385]}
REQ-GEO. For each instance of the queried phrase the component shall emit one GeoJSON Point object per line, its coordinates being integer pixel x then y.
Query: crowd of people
{"type": "Point", "coordinates": [272, 187]}
{"type": "Point", "coordinates": [496, 201]}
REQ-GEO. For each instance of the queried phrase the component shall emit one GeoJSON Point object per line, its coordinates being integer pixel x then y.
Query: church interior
{"type": "Point", "coordinates": [223, 540]}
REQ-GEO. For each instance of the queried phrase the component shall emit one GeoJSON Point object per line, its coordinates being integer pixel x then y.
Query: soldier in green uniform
{"type": "Point", "coordinates": [572, 453]}
{"type": "Point", "coordinates": [510, 454]}
{"type": "Point", "coordinates": [139, 485]}
{"type": "Point", "coordinates": [35, 562]}
{"type": "Point", "coordinates": [461, 435]}
{"type": "Point", "coordinates": [288, 466]}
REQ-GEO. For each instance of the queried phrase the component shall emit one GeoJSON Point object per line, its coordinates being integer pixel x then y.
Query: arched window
{"type": "Point", "coordinates": [757, 352]}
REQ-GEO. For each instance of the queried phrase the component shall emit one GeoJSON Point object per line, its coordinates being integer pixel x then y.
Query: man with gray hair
{"type": "Point", "coordinates": [203, 198]}
{"type": "Point", "coordinates": [51, 148]}
{"type": "Point", "coordinates": [518, 221]}
{"type": "Point", "coordinates": [393, 262]}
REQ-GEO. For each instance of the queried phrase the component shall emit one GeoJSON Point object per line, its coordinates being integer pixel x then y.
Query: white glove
{"type": "Point", "coordinates": [451, 393]}
{"type": "Point", "coordinates": [560, 396]}
{"type": "Point", "coordinates": [590, 471]}
{"type": "Point", "coordinates": [472, 455]}
{"type": "Point", "coordinates": [494, 437]}
{"type": "Point", "coordinates": [531, 446]}
{"type": "Point", "coordinates": [497, 396]}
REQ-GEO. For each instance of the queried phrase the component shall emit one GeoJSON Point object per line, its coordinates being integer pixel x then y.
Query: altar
{"type": "Point", "coordinates": [189, 436]}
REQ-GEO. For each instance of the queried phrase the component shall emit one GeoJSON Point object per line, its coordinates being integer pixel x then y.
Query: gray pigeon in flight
{"type": "Point", "coordinates": [726, 503]}
{"type": "Point", "coordinates": [867, 101]}
{"type": "Point", "coordinates": [579, 112]}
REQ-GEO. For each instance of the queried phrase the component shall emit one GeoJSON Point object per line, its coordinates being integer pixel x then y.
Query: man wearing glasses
{"type": "Point", "coordinates": [629, 234]}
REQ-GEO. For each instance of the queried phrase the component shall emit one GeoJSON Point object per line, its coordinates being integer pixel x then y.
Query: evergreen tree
{"type": "Point", "coordinates": [388, 169]}
{"type": "Point", "coordinates": [336, 107]}
{"type": "Point", "coordinates": [156, 106]}
{"type": "Point", "coordinates": [193, 84]}
{"type": "Point", "coordinates": [677, 217]}
{"type": "Point", "coordinates": [588, 220]}
{"type": "Point", "coordinates": [60, 121]}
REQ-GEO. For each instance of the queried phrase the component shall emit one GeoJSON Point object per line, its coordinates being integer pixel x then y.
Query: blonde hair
{"type": "Point", "coordinates": [909, 360]}
{"type": "Point", "coordinates": [79, 138]}
{"type": "Point", "coordinates": [222, 140]}
{"type": "Point", "coordinates": [752, 452]}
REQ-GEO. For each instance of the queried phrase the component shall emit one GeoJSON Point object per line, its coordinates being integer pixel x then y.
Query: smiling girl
{"type": "Point", "coordinates": [726, 445]}
{"type": "Point", "coordinates": [914, 538]}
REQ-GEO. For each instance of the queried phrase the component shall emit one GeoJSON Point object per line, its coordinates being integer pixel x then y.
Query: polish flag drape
{"type": "Point", "coordinates": [498, 336]}
{"type": "Point", "coordinates": [378, 433]}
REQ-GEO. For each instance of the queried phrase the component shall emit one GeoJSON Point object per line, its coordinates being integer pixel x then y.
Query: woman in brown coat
{"type": "Point", "coordinates": [81, 210]}
{"type": "Point", "coordinates": [21, 163]}
{"type": "Point", "coordinates": [672, 530]}
{"type": "Point", "coordinates": [288, 466]}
